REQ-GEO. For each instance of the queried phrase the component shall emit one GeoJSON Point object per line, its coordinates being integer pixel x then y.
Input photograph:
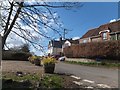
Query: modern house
{"type": "Point", "coordinates": [55, 47]}
{"type": "Point", "coordinates": [109, 31]}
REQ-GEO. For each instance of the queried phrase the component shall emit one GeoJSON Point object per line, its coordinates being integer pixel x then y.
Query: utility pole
{"type": "Point", "coordinates": [64, 33]}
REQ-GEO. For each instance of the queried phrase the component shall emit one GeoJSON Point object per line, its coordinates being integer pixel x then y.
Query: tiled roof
{"type": "Point", "coordinates": [58, 44]}
{"type": "Point", "coordinates": [73, 41]}
{"type": "Point", "coordinates": [113, 27]}
{"type": "Point", "coordinates": [90, 33]}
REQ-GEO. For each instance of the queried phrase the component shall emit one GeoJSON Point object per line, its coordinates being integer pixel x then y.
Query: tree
{"type": "Point", "coordinates": [25, 18]}
{"type": "Point", "coordinates": [21, 48]}
{"type": "Point", "coordinates": [25, 48]}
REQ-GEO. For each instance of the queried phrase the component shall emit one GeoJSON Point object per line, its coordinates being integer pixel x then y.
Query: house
{"type": "Point", "coordinates": [109, 31]}
{"type": "Point", "coordinates": [55, 47]}
{"type": "Point", "coordinates": [69, 42]}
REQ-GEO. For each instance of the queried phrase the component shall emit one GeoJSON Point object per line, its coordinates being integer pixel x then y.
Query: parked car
{"type": "Point", "coordinates": [57, 57]}
{"type": "Point", "coordinates": [62, 58]}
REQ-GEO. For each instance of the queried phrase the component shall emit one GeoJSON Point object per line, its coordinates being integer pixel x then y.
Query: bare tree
{"type": "Point", "coordinates": [26, 18]}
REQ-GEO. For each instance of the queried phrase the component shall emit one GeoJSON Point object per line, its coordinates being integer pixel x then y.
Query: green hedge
{"type": "Point", "coordinates": [106, 50]}
{"type": "Point", "coordinates": [11, 55]}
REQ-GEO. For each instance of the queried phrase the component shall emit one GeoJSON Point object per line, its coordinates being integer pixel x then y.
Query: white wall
{"type": "Point", "coordinates": [54, 51]}
{"type": "Point", "coordinates": [50, 50]}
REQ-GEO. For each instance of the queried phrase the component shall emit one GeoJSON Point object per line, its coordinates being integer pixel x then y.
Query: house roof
{"type": "Point", "coordinates": [73, 41]}
{"type": "Point", "coordinates": [113, 27]}
{"type": "Point", "coordinates": [58, 44]}
{"type": "Point", "coordinates": [90, 33]}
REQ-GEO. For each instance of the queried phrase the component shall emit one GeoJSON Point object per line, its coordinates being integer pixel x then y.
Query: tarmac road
{"type": "Point", "coordinates": [97, 74]}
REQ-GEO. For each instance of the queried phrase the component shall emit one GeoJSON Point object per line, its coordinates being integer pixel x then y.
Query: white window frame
{"type": "Point", "coordinates": [104, 34]}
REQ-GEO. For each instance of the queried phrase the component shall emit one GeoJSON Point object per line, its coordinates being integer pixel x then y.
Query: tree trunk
{"type": "Point", "coordinates": [3, 42]}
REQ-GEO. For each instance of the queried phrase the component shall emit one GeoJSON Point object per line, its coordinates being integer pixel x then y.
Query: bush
{"type": "Point", "coordinates": [106, 50]}
{"type": "Point", "coordinates": [49, 60]}
{"type": "Point", "coordinates": [35, 60]}
{"type": "Point", "coordinates": [11, 55]}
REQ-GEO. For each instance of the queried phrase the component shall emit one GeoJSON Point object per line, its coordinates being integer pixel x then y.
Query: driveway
{"type": "Point", "coordinates": [96, 74]}
{"type": "Point", "coordinates": [24, 66]}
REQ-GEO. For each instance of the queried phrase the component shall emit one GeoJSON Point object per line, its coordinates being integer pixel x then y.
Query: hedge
{"type": "Point", "coordinates": [106, 50]}
{"type": "Point", "coordinates": [11, 55]}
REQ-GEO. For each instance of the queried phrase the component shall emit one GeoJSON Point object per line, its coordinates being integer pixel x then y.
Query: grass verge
{"type": "Point", "coordinates": [104, 64]}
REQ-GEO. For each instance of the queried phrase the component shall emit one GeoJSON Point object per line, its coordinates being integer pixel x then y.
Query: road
{"type": "Point", "coordinates": [96, 74]}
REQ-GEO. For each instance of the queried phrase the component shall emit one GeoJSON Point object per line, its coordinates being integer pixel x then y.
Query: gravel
{"type": "Point", "coordinates": [18, 66]}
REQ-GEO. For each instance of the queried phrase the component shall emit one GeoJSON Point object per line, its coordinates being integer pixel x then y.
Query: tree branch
{"type": "Point", "coordinates": [7, 23]}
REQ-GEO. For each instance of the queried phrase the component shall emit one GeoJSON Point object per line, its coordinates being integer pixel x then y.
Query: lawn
{"type": "Point", "coordinates": [12, 80]}
{"type": "Point", "coordinates": [97, 64]}
{"type": "Point", "coordinates": [29, 81]}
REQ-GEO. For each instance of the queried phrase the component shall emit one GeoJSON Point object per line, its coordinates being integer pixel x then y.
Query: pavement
{"type": "Point", "coordinates": [102, 77]}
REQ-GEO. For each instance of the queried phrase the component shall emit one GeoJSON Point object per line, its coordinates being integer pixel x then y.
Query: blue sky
{"type": "Point", "coordinates": [79, 21]}
{"type": "Point", "coordinates": [90, 15]}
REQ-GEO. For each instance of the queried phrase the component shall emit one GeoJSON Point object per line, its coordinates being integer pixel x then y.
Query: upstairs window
{"type": "Point", "coordinates": [84, 41]}
{"type": "Point", "coordinates": [104, 35]}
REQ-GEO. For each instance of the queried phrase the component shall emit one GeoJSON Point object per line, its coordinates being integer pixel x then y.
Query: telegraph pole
{"type": "Point", "coordinates": [64, 33]}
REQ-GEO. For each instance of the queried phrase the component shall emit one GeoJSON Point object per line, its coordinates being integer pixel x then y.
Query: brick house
{"type": "Point", "coordinates": [109, 31]}
{"type": "Point", "coordinates": [55, 47]}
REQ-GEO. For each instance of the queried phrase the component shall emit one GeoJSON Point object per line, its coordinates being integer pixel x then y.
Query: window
{"type": "Point", "coordinates": [84, 41]}
{"type": "Point", "coordinates": [113, 37]}
{"type": "Point", "coordinates": [104, 35]}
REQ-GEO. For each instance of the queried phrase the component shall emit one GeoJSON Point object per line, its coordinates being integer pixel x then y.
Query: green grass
{"type": "Point", "coordinates": [31, 77]}
{"type": "Point", "coordinates": [47, 81]}
{"type": "Point", "coordinates": [51, 81]}
{"type": "Point", "coordinates": [106, 64]}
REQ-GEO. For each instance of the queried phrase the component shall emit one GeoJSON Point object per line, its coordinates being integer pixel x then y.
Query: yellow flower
{"type": "Point", "coordinates": [49, 60]}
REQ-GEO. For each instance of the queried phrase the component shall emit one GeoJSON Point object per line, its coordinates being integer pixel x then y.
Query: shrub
{"type": "Point", "coordinates": [35, 60]}
{"type": "Point", "coordinates": [49, 60]}
{"type": "Point", "coordinates": [21, 55]}
{"type": "Point", "coordinates": [11, 55]}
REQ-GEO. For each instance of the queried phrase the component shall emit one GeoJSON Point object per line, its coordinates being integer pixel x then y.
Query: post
{"type": "Point", "coordinates": [0, 48]}
{"type": "Point", "coordinates": [64, 33]}
{"type": "Point", "coordinates": [0, 63]}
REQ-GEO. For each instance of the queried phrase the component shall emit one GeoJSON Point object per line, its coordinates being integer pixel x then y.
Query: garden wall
{"type": "Point", "coordinates": [106, 50]}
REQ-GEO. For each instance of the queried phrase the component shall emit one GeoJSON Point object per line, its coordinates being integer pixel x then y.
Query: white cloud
{"type": "Point", "coordinates": [14, 40]}
{"type": "Point", "coordinates": [113, 20]}
{"type": "Point", "coordinates": [74, 38]}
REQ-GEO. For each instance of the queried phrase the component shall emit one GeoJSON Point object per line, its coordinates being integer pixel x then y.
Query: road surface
{"type": "Point", "coordinates": [98, 75]}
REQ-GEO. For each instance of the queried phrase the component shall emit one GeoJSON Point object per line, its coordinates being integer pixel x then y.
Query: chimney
{"type": "Point", "coordinates": [60, 38]}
